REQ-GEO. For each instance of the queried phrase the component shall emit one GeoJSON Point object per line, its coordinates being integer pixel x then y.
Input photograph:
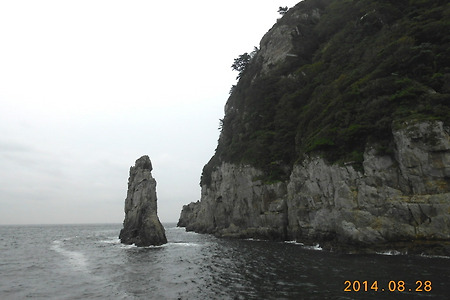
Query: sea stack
{"type": "Point", "coordinates": [141, 225]}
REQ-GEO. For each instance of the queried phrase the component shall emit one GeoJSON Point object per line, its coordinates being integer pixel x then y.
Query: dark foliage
{"type": "Point", "coordinates": [360, 68]}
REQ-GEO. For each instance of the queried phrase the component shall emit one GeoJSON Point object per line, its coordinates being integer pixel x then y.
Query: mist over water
{"type": "Point", "coordinates": [88, 262]}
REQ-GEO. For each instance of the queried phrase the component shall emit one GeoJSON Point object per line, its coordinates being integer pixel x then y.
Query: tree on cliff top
{"type": "Point", "coordinates": [283, 10]}
{"type": "Point", "coordinates": [240, 64]}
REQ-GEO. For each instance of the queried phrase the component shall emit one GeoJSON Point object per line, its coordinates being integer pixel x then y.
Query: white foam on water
{"type": "Point", "coordinates": [160, 246]}
{"type": "Point", "coordinates": [177, 228]}
{"type": "Point", "coordinates": [390, 252]}
{"type": "Point", "coordinates": [435, 256]}
{"type": "Point", "coordinates": [185, 244]}
{"type": "Point", "coordinates": [76, 259]}
{"type": "Point", "coordinates": [112, 240]}
{"type": "Point", "coordinates": [125, 246]}
{"type": "Point", "coordinates": [395, 252]}
{"type": "Point", "coordinates": [255, 240]}
{"type": "Point", "coordinates": [315, 247]}
{"type": "Point", "coordinates": [294, 243]}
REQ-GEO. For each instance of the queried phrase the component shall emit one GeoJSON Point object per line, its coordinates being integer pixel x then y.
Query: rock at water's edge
{"type": "Point", "coordinates": [141, 225]}
{"type": "Point", "coordinates": [399, 201]}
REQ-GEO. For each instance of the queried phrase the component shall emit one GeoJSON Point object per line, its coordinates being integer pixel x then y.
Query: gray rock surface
{"type": "Point", "coordinates": [141, 225]}
{"type": "Point", "coordinates": [277, 44]}
{"type": "Point", "coordinates": [401, 200]}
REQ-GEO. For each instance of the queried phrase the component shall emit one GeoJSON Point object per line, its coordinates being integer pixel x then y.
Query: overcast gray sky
{"type": "Point", "coordinates": [89, 86]}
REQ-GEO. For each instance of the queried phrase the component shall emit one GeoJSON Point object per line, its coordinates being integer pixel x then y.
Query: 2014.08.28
{"type": "Point", "coordinates": [391, 286]}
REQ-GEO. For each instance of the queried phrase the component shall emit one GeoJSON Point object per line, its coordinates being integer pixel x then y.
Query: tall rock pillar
{"type": "Point", "coordinates": [141, 225]}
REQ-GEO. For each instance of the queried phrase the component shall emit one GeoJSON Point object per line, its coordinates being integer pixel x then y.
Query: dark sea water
{"type": "Point", "coordinates": [88, 262]}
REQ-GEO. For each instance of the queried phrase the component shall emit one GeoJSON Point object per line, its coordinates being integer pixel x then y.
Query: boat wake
{"type": "Point", "coordinates": [76, 259]}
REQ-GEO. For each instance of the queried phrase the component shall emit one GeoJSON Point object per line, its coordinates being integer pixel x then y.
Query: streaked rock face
{"type": "Point", "coordinates": [398, 198]}
{"type": "Point", "coordinates": [141, 225]}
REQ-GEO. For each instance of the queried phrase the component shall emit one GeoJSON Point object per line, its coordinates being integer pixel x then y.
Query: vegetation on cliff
{"type": "Point", "coordinates": [352, 73]}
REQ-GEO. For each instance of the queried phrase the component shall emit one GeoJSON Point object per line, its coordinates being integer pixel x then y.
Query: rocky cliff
{"type": "Point", "coordinates": [400, 201]}
{"type": "Point", "coordinates": [337, 132]}
{"type": "Point", "coordinates": [141, 225]}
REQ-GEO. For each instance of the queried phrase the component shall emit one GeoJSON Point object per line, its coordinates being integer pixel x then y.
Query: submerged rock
{"type": "Point", "coordinates": [141, 225]}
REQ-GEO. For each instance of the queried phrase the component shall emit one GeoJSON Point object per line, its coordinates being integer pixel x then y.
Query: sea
{"type": "Point", "coordinates": [89, 262]}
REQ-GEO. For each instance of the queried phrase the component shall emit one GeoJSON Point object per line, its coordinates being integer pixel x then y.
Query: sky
{"type": "Point", "coordinates": [88, 87]}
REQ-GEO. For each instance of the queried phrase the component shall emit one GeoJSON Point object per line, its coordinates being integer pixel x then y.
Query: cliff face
{"type": "Point", "coordinates": [141, 225]}
{"type": "Point", "coordinates": [391, 202]}
{"type": "Point", "coordinates": [406, 198]}
{"type": "Point", "coordinates": [337, 131]}
{"type": "Point", "coordinates": [237, 204]}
